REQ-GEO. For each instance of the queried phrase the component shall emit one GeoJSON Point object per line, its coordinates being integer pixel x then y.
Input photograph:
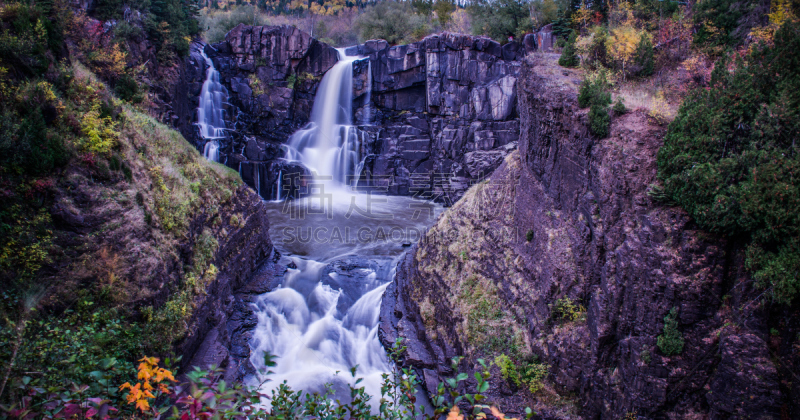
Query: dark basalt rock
{"type": "Point", "coordinates": [430, 103]}
{"type": "Point", "coordinates": [598, 239]}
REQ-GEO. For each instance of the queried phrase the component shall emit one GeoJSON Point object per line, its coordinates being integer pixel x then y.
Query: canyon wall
{"type": "Point", "coordinates": [567, 220]}
{"type": "Point", "coordinates": [433, 116]}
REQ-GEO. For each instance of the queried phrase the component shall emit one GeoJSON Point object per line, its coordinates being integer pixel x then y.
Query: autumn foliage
{"type": "Point", "coordinates": [153, 378]}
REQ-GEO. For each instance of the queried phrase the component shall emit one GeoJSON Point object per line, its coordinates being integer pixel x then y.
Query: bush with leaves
{"type": "Point", "coordinates": [730, 159]}
{"type": "Point", "coordinates": [528, 373]}
{"type": "Point", "coordinates": [207, 395]}
{"type": "Point", "coordinates": [671, 341]}
{"type": "Point", "coordinates": [619, 107]}
{"type": "Point", "coordinates": [396, 22]}
{"type": "Point", "coordinates": [500, 19]}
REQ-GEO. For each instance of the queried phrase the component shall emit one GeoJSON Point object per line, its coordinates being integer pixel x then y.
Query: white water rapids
{"type": "Point", "coordinates": [323, 318]}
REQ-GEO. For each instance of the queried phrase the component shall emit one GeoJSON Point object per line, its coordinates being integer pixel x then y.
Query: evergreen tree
{"type": "Point", "coordinates": [561, 27]}
{"type": "Point", "coordinates": [644, 56]}
{"type": "Point", "coordinates": [730, 159]}
{"type": "Point", "coordinates": [568, 56]}
{"type": "Point", "coordinates": [599, 120]}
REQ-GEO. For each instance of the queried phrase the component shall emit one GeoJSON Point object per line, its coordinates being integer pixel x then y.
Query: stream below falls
{"type": "Point", "coordinates": [323, 318]}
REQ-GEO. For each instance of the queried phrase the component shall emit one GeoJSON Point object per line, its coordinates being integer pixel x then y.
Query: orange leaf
{"type": "Point", "coordinates": [143, 405]}
{"type": "Point", "coordinates": [497, 413]}
{"type": "Point", "coordinates": [454, 414]}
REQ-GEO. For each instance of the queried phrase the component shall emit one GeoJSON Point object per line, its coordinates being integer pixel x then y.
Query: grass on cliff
{"type": "Point", "coordinates": [98, 256]}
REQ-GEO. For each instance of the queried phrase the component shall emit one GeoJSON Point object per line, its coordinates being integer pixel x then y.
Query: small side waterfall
{"type": "Point", "coordinates": [329, 145]}
{"type": "Point", "coordinates": [210, 112]}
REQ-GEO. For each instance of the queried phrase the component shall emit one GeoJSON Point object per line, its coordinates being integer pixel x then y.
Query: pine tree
{"type": "Point", "coordinates": [599, 120]}
{"type": "Point", "coordinates": [561, 27]}
{"type": "Point", "coordinates": [644, 56]}
{"type": "Point", "coordinates": [568, 56]}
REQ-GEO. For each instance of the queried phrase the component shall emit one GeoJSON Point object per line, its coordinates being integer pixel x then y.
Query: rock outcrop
{"type": "Point", "coordinates": [244, 269]}
{"type": "Point", "coordinates": [568, 220]}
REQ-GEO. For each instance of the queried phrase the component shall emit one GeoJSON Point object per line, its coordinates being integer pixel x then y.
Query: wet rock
{"type": "Point", "coordinates": [352, 276]}
{"type": "Point", "coordinates": [244, 249]}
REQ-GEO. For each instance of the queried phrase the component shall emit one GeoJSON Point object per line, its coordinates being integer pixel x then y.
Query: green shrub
{"type": "Point", "coordinates": [594, 93]}
{"type": "Point", "coordinates": [599, 121]}
{"type": "Point", "coordinates": [594, 90]}
{"type": "Point", "coordinates": [529, 235]}
{"type": "Point", "coordinates": [619, 107]}
{"type": "Point", "coordinates": [101, 132]}
{"type": "Point", "coordinates": [568, 310]}
{"type": "Point", "coordinates": [569, 58]}
{"type": "Point", "coordinates": [671, 341]}
{"type": "Point", "coordinates": [530, 373]}
{"type": "Point", "coordinates": [127, 89]}
{"type": "Point", "coordinates": [730, 159]}
{"type": "Point", "coordinates": [508, 370]}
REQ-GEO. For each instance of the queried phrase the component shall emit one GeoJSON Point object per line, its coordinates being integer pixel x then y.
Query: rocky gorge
{"type": "Point", "coordinates": [553, 229]}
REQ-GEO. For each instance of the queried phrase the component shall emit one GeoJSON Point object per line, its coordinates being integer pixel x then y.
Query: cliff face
{"type": "Point", "coordinates": [445, 111]}
{"type": "Point", "coordinates": [567, 220]}
{"type": "Point", "coordinates": [433, 116]}
{"type": "Point", "coordinates": [244, 246]}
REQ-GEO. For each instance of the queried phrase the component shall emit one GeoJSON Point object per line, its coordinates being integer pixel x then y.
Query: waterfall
{"type": "Point", "coordinates": [322, 319]}
{"type": "Point", "coordinates": [328, 145]}
{"type": "Point", "coordinates": [210, 111]}
{"type": "Point", "coordinates": [211, 150]}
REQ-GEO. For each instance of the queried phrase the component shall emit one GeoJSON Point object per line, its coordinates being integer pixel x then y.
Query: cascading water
{"type": "Point", "coordinates": [210, 112]}
{"type": "Point", "coordinates": [323, 318]}
{"type": "Point", "coordinates": [329, 144]}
